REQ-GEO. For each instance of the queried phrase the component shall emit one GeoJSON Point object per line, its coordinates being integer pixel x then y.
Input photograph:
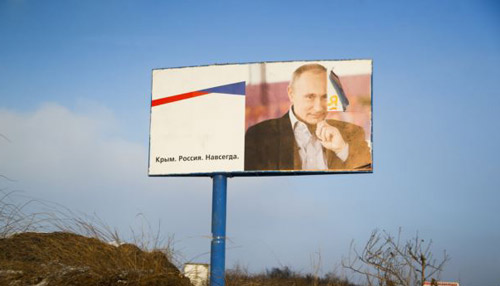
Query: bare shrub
{"type": "Point", "coordinates": [385, 260]}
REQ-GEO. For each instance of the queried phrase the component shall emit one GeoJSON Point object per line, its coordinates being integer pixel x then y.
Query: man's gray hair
{"type": "Point", "coordinates": [316, 68]}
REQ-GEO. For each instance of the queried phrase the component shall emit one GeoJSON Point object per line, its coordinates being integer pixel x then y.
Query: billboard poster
{"type": "Point", "coordinates": [270, 118]}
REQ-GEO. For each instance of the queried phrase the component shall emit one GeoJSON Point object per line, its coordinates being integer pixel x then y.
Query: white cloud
{"type": "Point", "coordinates": [57, 148]}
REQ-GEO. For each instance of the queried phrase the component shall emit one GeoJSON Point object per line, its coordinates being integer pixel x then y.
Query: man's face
{"type": "Point", "coordinates": [308, 96]}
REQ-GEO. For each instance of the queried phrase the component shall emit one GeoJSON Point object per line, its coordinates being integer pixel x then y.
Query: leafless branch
{"type": "Point", "coordinates": [387, 261]}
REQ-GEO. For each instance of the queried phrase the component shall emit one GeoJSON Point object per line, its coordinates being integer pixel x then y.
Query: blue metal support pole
{"type": "Point", "coordinates": [218, 247]}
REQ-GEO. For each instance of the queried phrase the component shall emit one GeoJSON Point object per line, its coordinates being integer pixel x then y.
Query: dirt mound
{"type": "Point", "coordinates": [68, 259]}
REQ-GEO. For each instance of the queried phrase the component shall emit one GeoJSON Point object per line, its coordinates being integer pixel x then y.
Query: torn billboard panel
{"type": "Point", "coordinates": [277, 118]}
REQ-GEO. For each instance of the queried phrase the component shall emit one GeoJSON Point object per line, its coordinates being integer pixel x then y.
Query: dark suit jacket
{"type": "Point", "coordinates": [270, 145]}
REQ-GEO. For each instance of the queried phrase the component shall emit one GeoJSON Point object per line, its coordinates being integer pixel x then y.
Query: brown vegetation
{"type": "Point", "coordinates": [283, 276]}
{"type": "Point", "coordinates": [56, 247]}
{"type": "Point", "coordinates": [69, 259]}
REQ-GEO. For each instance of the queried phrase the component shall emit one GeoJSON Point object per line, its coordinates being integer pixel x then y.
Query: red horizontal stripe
{"type": "Point", "coordinates": [178, 97]}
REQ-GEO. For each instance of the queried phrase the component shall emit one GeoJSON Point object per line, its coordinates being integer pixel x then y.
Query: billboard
{"type": "Point", "coordinates": [270, 118]}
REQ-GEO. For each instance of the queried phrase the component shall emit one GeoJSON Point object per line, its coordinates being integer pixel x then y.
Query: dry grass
{"type": "Point", "coordinates": [56, 247]}
{"type": "Point", "coordinates": [60, 258]}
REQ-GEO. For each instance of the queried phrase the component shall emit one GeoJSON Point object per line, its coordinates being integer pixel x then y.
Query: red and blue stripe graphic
{"type": "Point", "coordinates": [233, 88]}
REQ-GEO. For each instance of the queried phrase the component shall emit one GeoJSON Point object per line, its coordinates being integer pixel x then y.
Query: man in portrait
{"type": "Point", "coordinates": [303, 139]}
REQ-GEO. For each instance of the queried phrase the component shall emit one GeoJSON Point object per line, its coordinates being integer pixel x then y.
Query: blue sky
{"type": "Point", "coordinates": [75, 82]}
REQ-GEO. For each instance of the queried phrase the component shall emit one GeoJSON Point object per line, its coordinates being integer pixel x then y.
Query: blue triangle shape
{"type": "Point", "coordinates": [233, 88]}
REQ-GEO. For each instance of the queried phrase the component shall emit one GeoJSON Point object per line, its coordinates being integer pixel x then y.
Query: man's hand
{"type": "Point", "coordinates": [330, 137]}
